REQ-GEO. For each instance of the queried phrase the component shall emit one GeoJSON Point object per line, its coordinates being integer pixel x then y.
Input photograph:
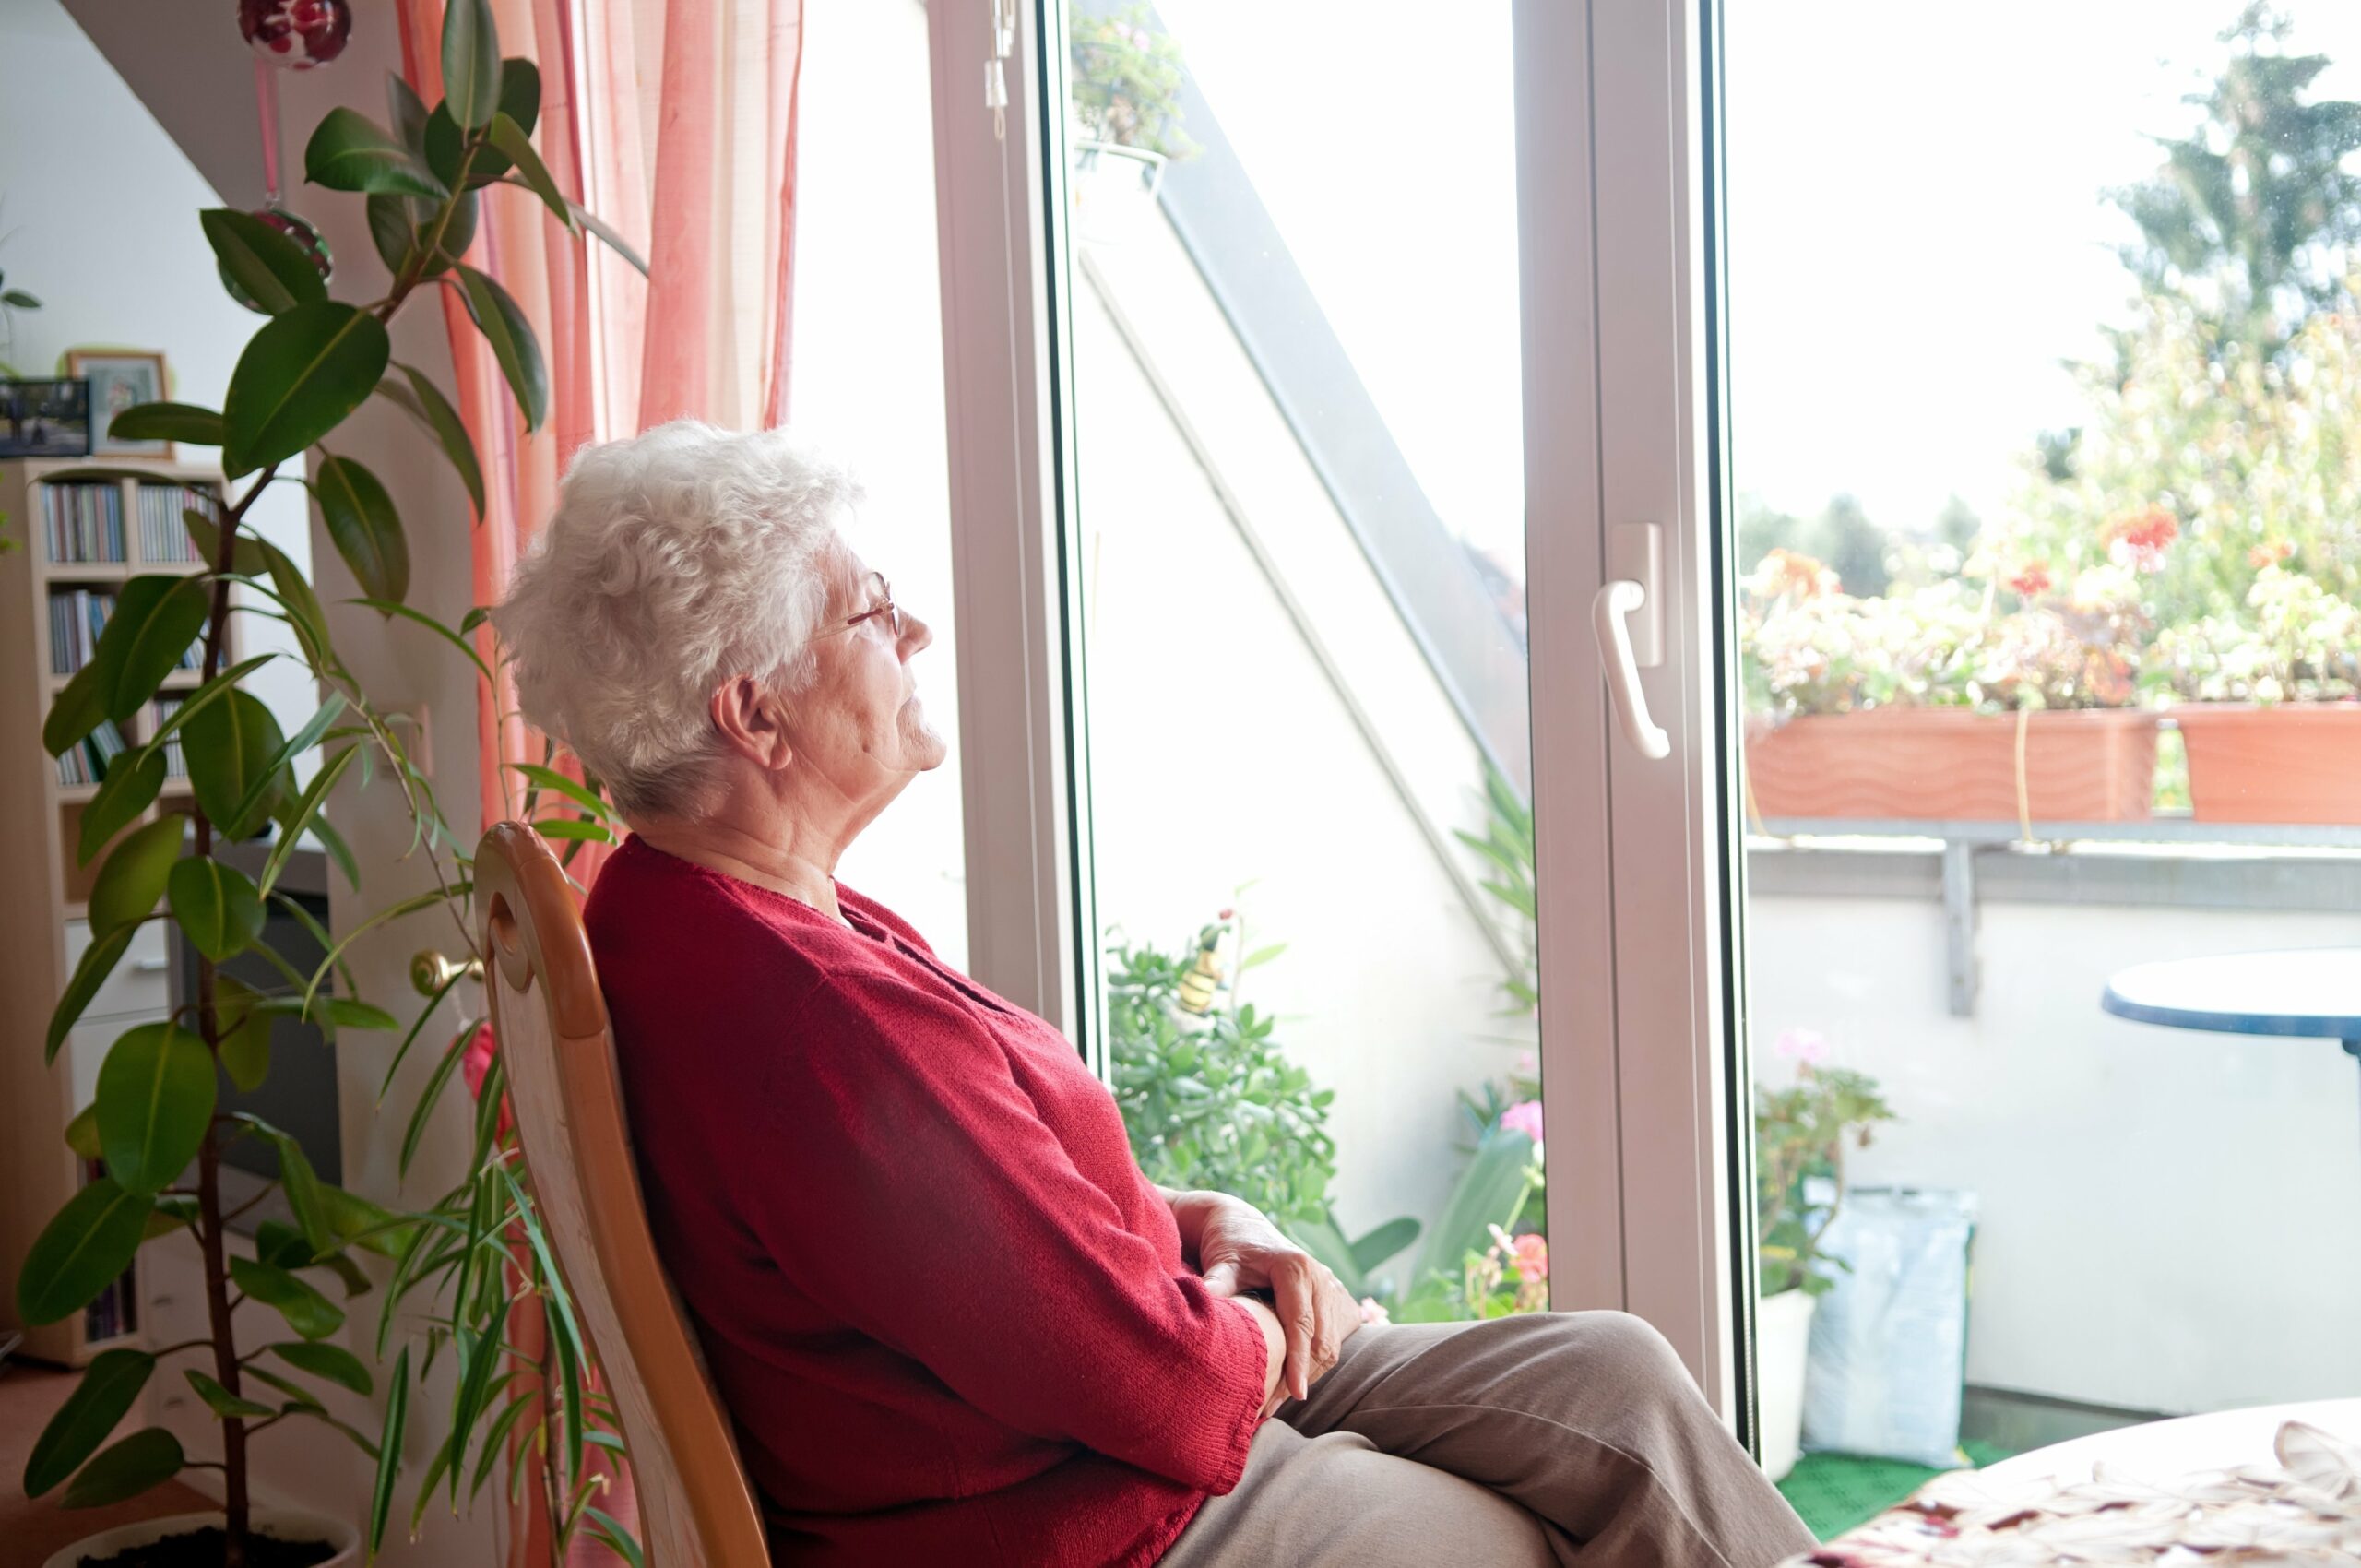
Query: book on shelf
{"type": "Point", "coordinates": [86, 762]}
{"type": "Point", "coordinates": [175, 762]}
{"type": "Point", "coordinates": [76, 616]}
{"type": "Point", "coordinates": [163, 533]}
{"type": "Point", "coordinates": [84, 522]}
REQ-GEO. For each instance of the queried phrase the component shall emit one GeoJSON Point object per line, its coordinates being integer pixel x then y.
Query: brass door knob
{"type": "Point", "coordinates": [430, 971]}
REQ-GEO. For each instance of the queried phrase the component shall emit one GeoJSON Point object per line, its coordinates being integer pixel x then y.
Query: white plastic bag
{"type": "Point", "coordinates": [1889, 1344]}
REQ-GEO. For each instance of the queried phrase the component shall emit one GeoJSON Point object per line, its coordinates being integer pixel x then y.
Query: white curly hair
{"type": "Point", "coordinates": [676, 558]}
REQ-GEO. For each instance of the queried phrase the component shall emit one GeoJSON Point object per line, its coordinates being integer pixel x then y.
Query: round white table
{"type": "Point", "coordinates": [2312, 992]}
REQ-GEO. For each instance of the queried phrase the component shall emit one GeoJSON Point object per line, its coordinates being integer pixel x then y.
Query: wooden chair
{"type": "Point", "coordinates": [696, 1507]}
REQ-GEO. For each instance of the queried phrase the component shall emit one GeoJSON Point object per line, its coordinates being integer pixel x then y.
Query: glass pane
{"type": "Point", "coordinates": [868, 380]}
{"type": "Point", "coordinates": [2047, 525]}
{"type": "Point", "coordinates": [1300, 540]}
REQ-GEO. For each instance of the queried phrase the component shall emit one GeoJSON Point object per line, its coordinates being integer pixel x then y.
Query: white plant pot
{"type": "Point", "coordinates": [290, 1524]}
{"type": "Point", "coordinates": [1112, 189]}
{"type": "Point", "coordinates": [1781, 1345]}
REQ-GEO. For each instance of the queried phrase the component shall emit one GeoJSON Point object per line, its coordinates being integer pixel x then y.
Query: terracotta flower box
{"type": "Point", "coordinates": [2293, 762]}
{"type": "Point", "coordinates": [1948, 765]}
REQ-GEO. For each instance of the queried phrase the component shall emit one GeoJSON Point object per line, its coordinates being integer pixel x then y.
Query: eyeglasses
{"type": "Point", "coordinates": [882, 592]}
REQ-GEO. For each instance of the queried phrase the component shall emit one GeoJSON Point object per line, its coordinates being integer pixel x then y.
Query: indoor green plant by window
{"type": "Point", "coordinates": [155, 1120]}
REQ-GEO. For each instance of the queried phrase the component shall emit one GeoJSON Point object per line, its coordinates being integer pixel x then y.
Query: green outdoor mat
{"type": "Point", "coordinates": [1835, 1491]}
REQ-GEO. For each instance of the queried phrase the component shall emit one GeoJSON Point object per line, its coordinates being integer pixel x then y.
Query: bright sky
{"type": "Point", "coordinates": [1916, 229]}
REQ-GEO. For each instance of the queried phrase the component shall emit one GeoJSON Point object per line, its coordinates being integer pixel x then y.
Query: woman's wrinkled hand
{"type": "Point", "coordinates": [1239, 1250]}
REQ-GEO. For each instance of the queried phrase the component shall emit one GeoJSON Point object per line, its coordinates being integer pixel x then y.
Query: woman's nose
{"type": "Point", "coordinates": [916, 634]}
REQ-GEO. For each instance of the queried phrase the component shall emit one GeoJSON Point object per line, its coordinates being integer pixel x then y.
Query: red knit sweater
{"type": "Point", "coordinates": [950, 1316]}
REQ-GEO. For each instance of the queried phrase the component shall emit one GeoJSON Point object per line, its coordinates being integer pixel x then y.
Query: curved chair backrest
{"type": "Point", "coordinates": [696, 1509]}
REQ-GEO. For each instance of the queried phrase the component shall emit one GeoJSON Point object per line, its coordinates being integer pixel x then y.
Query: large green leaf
{"type": "Point", "coordinates": [268, 265]}
{"type": "Point", "coordinates": [110, 1385]}
{"type": "Point", "coordinates": [334, 1362]}
{"type": "Point", "coordinates": [82, 1133]}
{"type": "Point", "coordinates": [350, 153]}
{"type": "Point", "coordinates": [306, 813]}
{"type": "Point", "coordinates": [156, 618]}
{"type": "Point", "coordinates": [406, 112]}
{"type": "Point", "coordinates": [134, 780]}
{"type": "Point", "coordinates": [446, 144]}
{"type": "Point", "coordinates": [611, 235]}
{"type": "Point", "coordinates": [289, 749]}
{"type": "Point", "coordinates": [155, 1101]}
{"type": "Point", "coordinates": [98, 962]}
{"type": "Point", "coordinates": [1488, 1193]}
{"type": "Point", "coordinates": [446, 246]}
{"type": "Point", "coordinates": [229, 746]}
{"type": "Point", "coordinates": [1382, 1243]}
{"type": "Point", "coordinates": [503, 326]}
{"type": "Point", "coordinates": [77, 710]}
{"type": "Point", "coordinates": [146, 1458]}
{"type": "Point", "coordinates": [307, 1311]}
{"type": "Point", "coordinates": [300, 1184]}
{"type": "Point", "coordinates": [391, 229]}
{"type": "Point", "coordinates": [241, 1032]}
{"type": "Point", "coordinates": [245, 552]}
{"type": "Point", "coordinates": [222, 1402]}
{"type": "Point", "coordinates": [216, 905]}
{"type": "Point", "coordinates": [297, 380]}
{"type": "Point", "coordinates": [360, 1223]}
{"type": "Point", "coordinates": [470, 61]}
{"type": "Point", "coordinates": [167, 421]}
{"type": "Point", "coordinates": [441, 418]}
{"type": "Point", "coordinates": [91, 1240]}
{"type": "Point", "coordinates": [402, 226]}
{"type": "Point", "coordinates": [134, 875]}
{"type": "Point", "coordinates": [360, 520]}
{"type": "Point", "coordinates": [302, 605]}
{"type": "Point", "coordinates": [512, 140]}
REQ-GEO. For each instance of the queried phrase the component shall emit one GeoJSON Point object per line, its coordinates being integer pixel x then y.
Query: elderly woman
{"type": "Point", "coordinates": [953, 1321]}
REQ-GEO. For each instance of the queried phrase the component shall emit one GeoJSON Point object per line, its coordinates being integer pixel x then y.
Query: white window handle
{"type": "Point", "coordinates": [1616, 600]}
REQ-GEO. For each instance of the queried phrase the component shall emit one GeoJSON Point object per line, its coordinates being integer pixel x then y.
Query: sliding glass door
{"type": "Point", "coordinates": [1321, 457]}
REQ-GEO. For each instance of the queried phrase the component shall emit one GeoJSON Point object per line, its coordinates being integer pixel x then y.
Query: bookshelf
{"type": "Point", "coordinates": [79, 529]}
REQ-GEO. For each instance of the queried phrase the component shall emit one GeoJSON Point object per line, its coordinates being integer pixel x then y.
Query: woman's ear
{"type": "Point", "coordinates": [753, 722]}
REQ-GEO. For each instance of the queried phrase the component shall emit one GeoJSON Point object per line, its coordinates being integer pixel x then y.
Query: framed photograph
{"type": "Point", "coordinates": [44, 418]}
{"type": "Point", "coordinates": [119, 378]}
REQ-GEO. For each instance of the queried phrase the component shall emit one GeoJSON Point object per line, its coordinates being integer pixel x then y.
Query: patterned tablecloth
{"type": "Point", "coordinates": [2306, 1510]}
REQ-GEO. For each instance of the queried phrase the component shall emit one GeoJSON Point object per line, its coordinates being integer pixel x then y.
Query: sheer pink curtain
{"type": "Point", "coordinates": [674, 121]}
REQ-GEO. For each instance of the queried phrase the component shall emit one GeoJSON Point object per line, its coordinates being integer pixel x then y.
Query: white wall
{"type": "Point", "coordinates": [98, 207]}
{"type": "Point", "coordinates": [868, 379]}
{"type": "Point", "coordinates": [2167, 1218]}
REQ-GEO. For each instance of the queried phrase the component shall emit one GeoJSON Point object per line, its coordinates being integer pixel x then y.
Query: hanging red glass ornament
{"type": "Point", "coordinates": [296, 35]}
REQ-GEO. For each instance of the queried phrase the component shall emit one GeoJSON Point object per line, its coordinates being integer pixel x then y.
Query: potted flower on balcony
{"type": "Point", "coordinates": [2000, 697]}
{"type": "Point", "coordinates": [2266, 705]}
{"type": "Point", "coordinates": [1800, 1131]}
{"type": "Point", "coordinates": [1123, 86]}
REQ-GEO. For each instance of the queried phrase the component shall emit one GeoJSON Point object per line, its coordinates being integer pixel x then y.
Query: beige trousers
{"type": "Point", "coordinates": [1556, 1438]}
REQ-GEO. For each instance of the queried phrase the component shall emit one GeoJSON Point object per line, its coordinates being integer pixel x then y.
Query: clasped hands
{"type": "Point", "coordinates": [1238, 1250]}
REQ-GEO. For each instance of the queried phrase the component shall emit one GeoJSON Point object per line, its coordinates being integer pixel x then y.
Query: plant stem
{"type": "Point", "coordinates": [211, 1234]}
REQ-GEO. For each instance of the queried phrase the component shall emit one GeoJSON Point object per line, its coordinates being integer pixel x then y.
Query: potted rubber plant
{"type": "Point", "coordinates": [156, 1126]}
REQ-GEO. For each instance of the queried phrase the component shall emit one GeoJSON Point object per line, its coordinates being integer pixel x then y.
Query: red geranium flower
{"type": "Point", "coordinates": [2032, 578]}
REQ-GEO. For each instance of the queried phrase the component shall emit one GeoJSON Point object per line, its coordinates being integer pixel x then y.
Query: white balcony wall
{"type": "Point", "coordinates": [2167, 1218]}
